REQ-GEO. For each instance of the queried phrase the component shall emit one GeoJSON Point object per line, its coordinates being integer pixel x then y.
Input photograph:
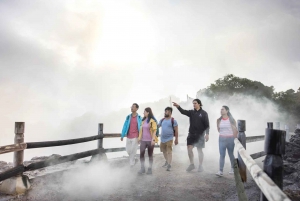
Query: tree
{"type": "Point", "coordinates": [231, 84]}
{"type": "Point", "coordinates": [288, 101]}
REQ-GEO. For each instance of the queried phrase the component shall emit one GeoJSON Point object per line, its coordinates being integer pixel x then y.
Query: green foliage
{"type": "Point", "coordinates": [231, 84]}
{"type": "Point", "coordinates": [288, 101]}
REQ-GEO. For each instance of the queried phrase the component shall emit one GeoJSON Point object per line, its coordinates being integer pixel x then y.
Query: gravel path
{"type": "Point", "coordinates": [116, 181]}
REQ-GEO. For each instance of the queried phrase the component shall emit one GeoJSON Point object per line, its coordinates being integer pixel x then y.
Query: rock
{"type": "Point", "coordinates": [54, 156]}
{"type": "Point", "coordinates": [287, 182]}
{"type": "Point", "coordinates": [39, 158]}
{"type": "Point", "coordinates": [288, 168]}
{"type": "Point", "coordinates": [3, 163]}
{"type": "Point", "coordinates": [293, 177]}
{"type": "Point", "coordinates": [292, 160]}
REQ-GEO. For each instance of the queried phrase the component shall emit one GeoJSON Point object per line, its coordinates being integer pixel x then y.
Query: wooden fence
{"type": "Point", "coordinates": [19, 147]}
{"type": "Point", "coordinates": [270, 179]}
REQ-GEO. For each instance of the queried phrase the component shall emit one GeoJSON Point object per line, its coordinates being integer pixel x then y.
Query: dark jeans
{"type": "Point", "coordinates": [226, 143]}
{"type": "Point", "coordinates": [143, 146]}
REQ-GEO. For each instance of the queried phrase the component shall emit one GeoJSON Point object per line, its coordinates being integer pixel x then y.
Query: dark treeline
{"type": "Point", "coordinates": [288, 101]}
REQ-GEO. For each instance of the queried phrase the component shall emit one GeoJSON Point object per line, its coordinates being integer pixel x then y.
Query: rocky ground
{"type": "Point", "coordinates": [291, 180]}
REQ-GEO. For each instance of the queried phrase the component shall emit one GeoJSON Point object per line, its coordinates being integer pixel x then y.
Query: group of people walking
{"type": "Point", "coordinates": [144, 131]}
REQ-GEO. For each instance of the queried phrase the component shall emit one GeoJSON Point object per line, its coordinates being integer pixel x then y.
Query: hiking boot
{"type": "Point", "coordinates": [149, 171]}
{"type": "Point", "coordinates": [165, 165]}
{"type": "Point", "coordinates": [200, 168]}
{"type": "Point", "coordinates": [142, 170]}
{"type": "Point", "coordinates": [168, 167]}
{"type": "Point", "coordinates": [220, 174]}
{"type": "Point", "coordinates": [190, 168]}
{"type": "Point", "coordinates": [231, 171]}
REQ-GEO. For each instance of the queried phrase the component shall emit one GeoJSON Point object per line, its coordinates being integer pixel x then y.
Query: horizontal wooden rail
{"type": "Point", "coordinates": [258, 155]}
{"type": "Point", "coordinates": [12, 172]}
{"type": "Point", "coordinates": [263, 181]}
{"type": "Point", "coordinates": [63, 159]}
{"type": "Point", "coordinates": [112, 135]}
{"type": "Point", "coordinates": [32, 145]}
{"type": "Point", "coordinates": [49, 162]}
{"type": "Point", "coordinates": [255, 138]}
{"type": "Point", "coordinates": [13, 148]}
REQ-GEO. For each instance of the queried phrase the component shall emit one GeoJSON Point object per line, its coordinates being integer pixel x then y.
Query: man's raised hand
{"type": "Point", "coordinates": [175, 104]}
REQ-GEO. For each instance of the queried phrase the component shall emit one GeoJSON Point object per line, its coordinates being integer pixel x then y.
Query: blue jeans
{"type": "Point", "coordinates": [226, 143]}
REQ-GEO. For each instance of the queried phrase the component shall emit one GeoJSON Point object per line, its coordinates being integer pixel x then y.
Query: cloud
{"type": "Point", "coordinates": [60, 60]}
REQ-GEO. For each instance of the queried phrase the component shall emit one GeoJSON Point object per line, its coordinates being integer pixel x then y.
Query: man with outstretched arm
{"type": "Point", "coordinates": [169, 130]}
{"type": "Point", "coordinates": [131, 131]}
{"type": "Point", "coordinates": [199, 123]}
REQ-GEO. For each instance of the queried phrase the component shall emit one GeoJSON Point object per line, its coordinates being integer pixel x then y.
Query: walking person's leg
{"type": "Point", "coordinates": [163, 148]}
{"type": "Point", "coordinates": [169, 154]}
{"type": "Point", "coordinates": [230, 149]}
{"type": "Point", "coordinates": [191, 157]}
{"type": "Point", "coordinates": [200, 156]}
{"type": "Point", "coordinates": [150, 154]}
{"type": "Point", "coordinates": [200, 146]}
{"type": "Point", "coordinates": [129, 148]}
{"type": "Point", "coordinates": [222, 151]}
{"type": "Point", "coordinates": [135, 145]}
{"type": "Point", "coordinates": [142, 156]}
{"type": "Point", "coordinates": [190, 145]}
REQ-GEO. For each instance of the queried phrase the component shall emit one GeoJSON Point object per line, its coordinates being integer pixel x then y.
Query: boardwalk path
{"type": "Point", "coordinates": [116, 181]}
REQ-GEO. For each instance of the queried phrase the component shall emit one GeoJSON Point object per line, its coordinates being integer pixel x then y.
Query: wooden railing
{"type": "Point", "coordinates": [19, 147]}
{"type": "Point", "coordinates": [270, 179]}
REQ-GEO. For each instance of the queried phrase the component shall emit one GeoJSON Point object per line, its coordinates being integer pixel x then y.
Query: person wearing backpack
{"type": "Point", "coordinates": [131, 131]}
{"type": "Point", "coordinates": [169, 129]}
{"type": "Point", "coordinates": [147, 139]}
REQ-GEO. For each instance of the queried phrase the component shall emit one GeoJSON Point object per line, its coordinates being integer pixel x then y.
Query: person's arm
{"type": "Point", "coordinates": [159, 124]}
{"type": "Point", "coordinates": [182, 111]}
{"type": "Point", "coordinates": [140, 133]}
{"type": "Point", "coordinates": [206, 124]}
{"type": "Point", "coordinates": [124, 129]}
{"type": "Point", "coordinates": [176, 135]}
{"type": "Point", "coordinates": [153, 134]}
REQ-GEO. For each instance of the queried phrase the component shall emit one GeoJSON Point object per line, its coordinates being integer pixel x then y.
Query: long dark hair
{"type": "Point", "coordinates": [231, 119]}
{"type": "Point", "coordinates": [150, 115]}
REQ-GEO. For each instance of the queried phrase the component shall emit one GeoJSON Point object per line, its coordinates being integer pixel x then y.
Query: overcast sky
{"type": "Point", "coordinates": [64, 58]}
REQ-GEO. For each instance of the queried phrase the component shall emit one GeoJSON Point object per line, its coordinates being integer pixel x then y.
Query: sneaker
{"type": "Point", "coordinates": [142, 170]}
{"type": "Point", "coordinates": [149, 171]}
{"type": "Point", "coordinates": [190, 168]}
{"type": "Point", "coordinates": [200, 169]}
{"type": "Point", "coordinates": [168, 167]}
{"type": "Point", "coordinates": [231, 171]}
{"type": "Point", "coordinates": [220, 174]}
{"type": "Point", "coordinates": [165, 165]}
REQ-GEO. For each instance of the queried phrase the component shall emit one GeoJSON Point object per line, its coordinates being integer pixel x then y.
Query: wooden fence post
{"type": "Point", "coordinates": [100, 132]}
{"type": "Point", "coordinates": [277, 125]}
{"type": "Point", "coordinates": [20, 183]}
{"type": "Point", "coordinates": [287, 130]}
{"type": "Point", "coordinates": [19, 138]}
{"type": "Point", "coordinates": [242, 139]}
{"type": "Point", "coordinates": [101, 156]}
{"type": "Point", "coordinates": [273, 163]}
{"type": "Point", "coordinates": [239, 184]}
{"type": "Point", "coordinates": [270, 125]}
